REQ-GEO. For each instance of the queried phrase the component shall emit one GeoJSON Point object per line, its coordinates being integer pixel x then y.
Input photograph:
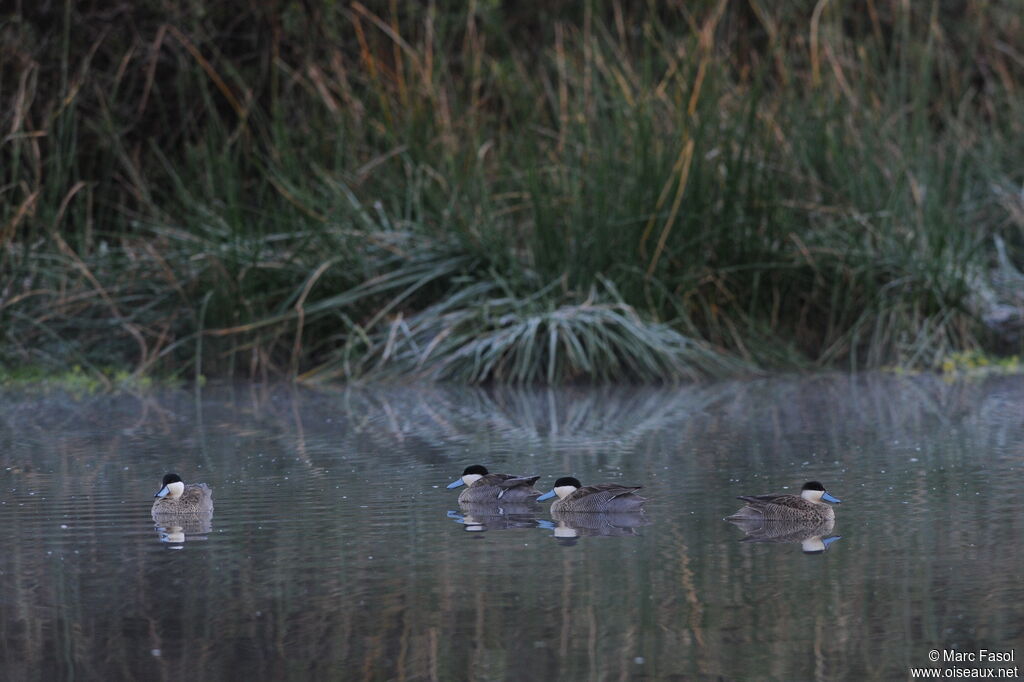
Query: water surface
{"type": "Point", "coordinates": [335, 552]}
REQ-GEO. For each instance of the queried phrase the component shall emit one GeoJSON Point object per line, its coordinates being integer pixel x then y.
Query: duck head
{"type": "Point", "coordinates": [564, 487]}
{"type": "Point", "coordinates": [173, 487]}
{"type": "Point", "coordinates": [815, 492]}
{"type": "Point", "coordinates": [470, 475]}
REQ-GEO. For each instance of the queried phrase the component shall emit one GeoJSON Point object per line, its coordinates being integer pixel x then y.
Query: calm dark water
{"type": "Point", "coordinates": [335, 552]}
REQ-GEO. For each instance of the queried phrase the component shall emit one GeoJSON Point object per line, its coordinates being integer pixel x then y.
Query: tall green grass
{"type": "Point", "coordinates": [605, 191]}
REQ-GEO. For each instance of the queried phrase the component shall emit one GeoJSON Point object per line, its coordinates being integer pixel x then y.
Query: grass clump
{"type": "Point", "coordinates": [601, 191]}
{"type": "Point", "coordinates": [976, 364]}
{"type": "Point", "coordinates": [480, 335]}
{"type": "Point", "coordinates": [76, 380]}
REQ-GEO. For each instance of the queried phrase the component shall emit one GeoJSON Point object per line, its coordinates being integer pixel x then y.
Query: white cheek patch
{"type": "Point", "coordinates": [176, 489]}
{"type": "Point", "coordinates": [812, 495]}
{"type": "Point", "coordinates": [470, 479]}
{"type": "Point", "coordinates": [564, 491]}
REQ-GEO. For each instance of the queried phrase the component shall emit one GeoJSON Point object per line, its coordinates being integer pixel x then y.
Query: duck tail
{"type": "Point", "coordinates": [745, 514]}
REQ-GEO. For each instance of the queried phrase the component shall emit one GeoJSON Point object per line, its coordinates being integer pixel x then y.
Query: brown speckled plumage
{"type": "Point", "coordinates": [196, 499]}
{"type": "Point", "coordinates": [783, 508]}
{"type": "Point", "coordinates": [502, 488]}
{"type": "Point", "coordinates": [601, 497]}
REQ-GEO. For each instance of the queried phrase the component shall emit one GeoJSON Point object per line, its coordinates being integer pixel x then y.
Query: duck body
{"type": "Point", "coordinates": [809, 506]}
{"type": "Point", "coordinates": [600, 497]}
{"type": "Point", "coordinates": [483, 487]}
{"type": "Point", "coordinates": [176, 498]}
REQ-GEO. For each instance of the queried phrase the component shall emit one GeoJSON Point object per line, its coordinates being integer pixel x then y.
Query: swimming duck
{"type": "Point", "coordinates": [808, 506]}
{"type": "Point", "coordinates": [601, 497]}
{"type": "Point", "coordinates": [485, 487]}
{"type": "Point", "coordinates": [177, 498]}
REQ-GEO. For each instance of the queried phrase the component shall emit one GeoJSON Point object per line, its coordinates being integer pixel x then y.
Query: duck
{"type": "Point", "coordinates": [176, 498]}
{"type": "Point", "coordinates": [573, 496]}
{"type": "Point", "coordinates": [482, 486]}
{"type": "Point", "coordinates": [808, 506]}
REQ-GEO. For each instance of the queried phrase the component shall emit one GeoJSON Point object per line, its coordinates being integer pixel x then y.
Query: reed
{"type": "Point", "coordinates": [328, 191]}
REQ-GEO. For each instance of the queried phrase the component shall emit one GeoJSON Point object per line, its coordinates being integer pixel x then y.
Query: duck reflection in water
{"type": "Point", "coordinates": [813, 536]}
{"type": "Point", "coordinates": [569, 526]}
{"type": "Point", "coordinates": [480, 517]}
{"type": "Point", "coordinates": [175, 530]}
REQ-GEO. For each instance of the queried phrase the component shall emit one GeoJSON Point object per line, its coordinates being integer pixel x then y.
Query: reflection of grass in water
{"type": "Point", "coordinates": [321, 189]}
{"type": "Point", "coordinates": [527, 419]}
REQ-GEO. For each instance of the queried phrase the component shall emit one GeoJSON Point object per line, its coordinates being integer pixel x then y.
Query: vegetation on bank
{"type": "Point", "coordinates": [510, 192]}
